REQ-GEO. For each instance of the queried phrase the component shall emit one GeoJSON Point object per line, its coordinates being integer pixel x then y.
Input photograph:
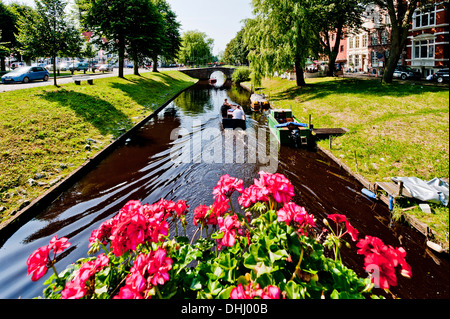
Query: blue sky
{"type": "Point", "coordinates": [219, 19]}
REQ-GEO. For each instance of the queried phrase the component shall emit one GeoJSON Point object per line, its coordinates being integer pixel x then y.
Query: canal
{"type": "Point", "coordinates": [181, 154]}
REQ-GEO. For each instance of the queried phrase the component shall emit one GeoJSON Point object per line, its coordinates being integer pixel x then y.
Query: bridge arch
{"type": "Point", "coordinates": [205, 73]}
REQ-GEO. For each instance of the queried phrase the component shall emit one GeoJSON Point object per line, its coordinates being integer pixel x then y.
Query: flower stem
{"type": "Point", "coordinates": [297, 268]}
{"type": "Point", "coordinates": [54, 270]}
{"type": "Point", "coordinates": [158, 293]}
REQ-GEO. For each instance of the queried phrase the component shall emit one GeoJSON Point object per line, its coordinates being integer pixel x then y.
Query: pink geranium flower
{"type": "Point", "coordinates": [228, 226]}
{"type": "Point", "coordinates": [342, 219]}
{"type": "Point", "coordinates": [250, 292]}
{"type": "Point", "coordinates": [39, 261]}
{"type": "Point", "coordinates": [292, 213]}
{"type": "Point", "coordinates": [381, 261]}
{"type": "Point", "coordinates": [76, 288]}
{"type": "Point", "coordinates": [226, 186]}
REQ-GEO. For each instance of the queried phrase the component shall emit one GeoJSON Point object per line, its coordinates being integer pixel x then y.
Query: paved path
{"type": "Point", "coordinates": [62, 80]}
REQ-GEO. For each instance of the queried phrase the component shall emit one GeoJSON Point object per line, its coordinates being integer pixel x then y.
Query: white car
{"type": "Point", "coordinates": [105, 68]}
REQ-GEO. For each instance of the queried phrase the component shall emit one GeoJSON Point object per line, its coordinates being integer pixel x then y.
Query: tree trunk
{"type": "Point", "coordinates": [121, 55]}
{"type": "Point", "coordinates": [54, 71]}
{"type": "Point", "coordinates": [155, 64]}
{"type": "Point", "coordinates": [335, 51]}
{"type": "Point", "coordinates": [398, 39]}
{"type": "Point", "coordinates": [136, 65]}
{"type": "Point", "coordinates": [299, 73]}
{"type": "Point", "coordinates": [2, 64]}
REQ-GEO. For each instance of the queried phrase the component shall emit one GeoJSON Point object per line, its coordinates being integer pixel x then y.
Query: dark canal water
{"type": "Point", "coordinates": [181, 154]}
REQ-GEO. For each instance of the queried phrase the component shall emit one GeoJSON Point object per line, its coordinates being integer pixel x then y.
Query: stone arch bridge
{"type": "Point", "coordinates": [205, 73]}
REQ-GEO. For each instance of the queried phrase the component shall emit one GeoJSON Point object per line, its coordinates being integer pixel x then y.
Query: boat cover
{"type": "Point", "coordinates": [435, 190]}
{"type": "Point", "coordinates": [289, 123]}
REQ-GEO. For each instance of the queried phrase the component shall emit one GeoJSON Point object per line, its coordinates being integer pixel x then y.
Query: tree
{"type": "Point", "coordinates": [237, 50]}
{"type": "Point", "coordinates": [400, 13]}
{"type": "Point", "coordinates": [7, 38]}
{"type": "Point", "coordinates": [279, 37]}
{"type": "Point", "coordinates": [147, 31]}
{"type": "Point", "coordinates": [122, 26]}
{"type": "Point", "coordinates": [333, 18]}
{"type": "Point", "coordinates": [46, 31]}
{"type": "Point", "coordinates": [196, 48]}
{"type": "Point", "coordinates": [170, 40]}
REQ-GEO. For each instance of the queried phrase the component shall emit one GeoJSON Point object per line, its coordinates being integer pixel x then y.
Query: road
{"type": "Point", "coordinates": [62, 80]}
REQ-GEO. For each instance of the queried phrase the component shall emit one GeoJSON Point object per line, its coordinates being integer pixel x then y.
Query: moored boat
{"type": "Point", "coordinates": [288, 129]}
{"type": "Point", "coordinates": [259, 102]}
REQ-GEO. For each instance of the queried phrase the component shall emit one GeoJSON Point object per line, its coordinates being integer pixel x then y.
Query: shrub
{"type": "Point", "coordinates": [241, 75]}
{"type": "Point", "coordinates": [273, 251]}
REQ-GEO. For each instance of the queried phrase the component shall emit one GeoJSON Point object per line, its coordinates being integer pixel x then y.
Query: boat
{"type": "Point", "coordinates": [229, 122]}
{"type": "Point", "coordinates": [288, 129]}
{"type": "Point", "coordinates": [259, 102]}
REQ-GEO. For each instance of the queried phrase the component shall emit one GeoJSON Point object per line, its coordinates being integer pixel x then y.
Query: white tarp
{"type": "Point", "coordinates": [435, 191]}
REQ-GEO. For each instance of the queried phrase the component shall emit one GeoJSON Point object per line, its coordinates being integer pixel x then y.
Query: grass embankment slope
{"type": "Point", "coordinates": [396, 130]}
{"type": "Point", "coordinates": [44, 131]}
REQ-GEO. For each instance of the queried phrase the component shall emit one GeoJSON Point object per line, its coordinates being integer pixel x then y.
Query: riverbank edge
{"type": "Point", "coordinates": [418, 225]}
{"type": "Point", "coordinates": [11, 225]}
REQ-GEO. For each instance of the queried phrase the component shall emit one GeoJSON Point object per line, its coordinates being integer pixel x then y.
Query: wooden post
{"type": "Point", "coordinates": [310, 121]}
{"type": "Point", "coordinates": [330, 141]}
{"type": "Point", "coordinates": [400, 188]}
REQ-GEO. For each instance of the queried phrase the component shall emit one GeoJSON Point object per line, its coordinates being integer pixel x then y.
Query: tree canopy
{"type": "Point", "coordinates": [46, 32]}
{"type": "Point", "coordinates": [196, 48]}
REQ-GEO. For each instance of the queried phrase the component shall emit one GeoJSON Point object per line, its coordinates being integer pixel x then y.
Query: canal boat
{"type": "Point", "coordinates": [288, 129]}
{"type": "Point", "coordinates": [259, 102]}
{"type": "Point", "coordinates": [229, 122]}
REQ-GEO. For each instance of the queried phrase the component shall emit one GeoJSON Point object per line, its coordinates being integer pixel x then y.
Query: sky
{"type": "Point", "coordinates": [221, 20]}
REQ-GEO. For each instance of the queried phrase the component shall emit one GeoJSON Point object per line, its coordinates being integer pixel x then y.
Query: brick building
{"type": "Point", "coordinates": [427, 47]}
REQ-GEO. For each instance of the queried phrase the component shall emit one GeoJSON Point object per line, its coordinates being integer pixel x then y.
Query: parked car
{"type": "Point", "coordinates": [441, 76]}
{"type": "Point", "coordinates": [79, 66]}
{"type": "Point", "coordinates": [406, 72]}
{"type": "Point", "coordinates": [105, 68]}
{"type": "Point", "coordinates": [64, 66]}
{"type": "Point", "coordinates": [26, 74]}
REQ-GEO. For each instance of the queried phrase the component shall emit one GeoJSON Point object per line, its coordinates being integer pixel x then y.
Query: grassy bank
{"type": "Point", "coordinates": [46, 132]}
{"type": "Point", "coordinates": [400, 129]}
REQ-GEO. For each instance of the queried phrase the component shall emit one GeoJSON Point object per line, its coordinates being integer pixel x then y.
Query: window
{"type": "Point", "coordinates": [364, 41]}
{"type": "Point", "coordinates": [374, 38]}
{"type": "Point", "coordinates": [374, 59]}
{"type": "Point", "coordinates": [384, 37]}
{"type": "Point", "coordinates": [350, 43]}
{"type": "Point", "coordinates": [357, 42]}
{"type": "Point", "coordinates": [342, 48]}
{"type": "Point", "coordinates": [424, 49]}
{"type": "Point", "coordinates": [424, 18]}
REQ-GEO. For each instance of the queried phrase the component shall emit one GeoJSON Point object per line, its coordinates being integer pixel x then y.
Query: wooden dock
{"type": "Point", "coordinates": [325, 132]}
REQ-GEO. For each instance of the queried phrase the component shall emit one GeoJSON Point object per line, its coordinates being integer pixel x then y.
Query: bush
{"type": "Point", "coordinates": [269, 252]}
{"type": "Point", "coordinates": [241, 75]}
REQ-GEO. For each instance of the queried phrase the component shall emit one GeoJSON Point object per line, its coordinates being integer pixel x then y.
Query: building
{"type": "Point", "coordinates": [427, 46]}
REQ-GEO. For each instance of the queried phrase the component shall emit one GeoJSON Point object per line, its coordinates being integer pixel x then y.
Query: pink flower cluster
{"type": "Point", "coordinates": [148, 271]}
{"type": "Point", "coordinates": [39, 261]}
{"type": "Point", "coordinates": [275, 185]}
{"type": "Point", "coordinates": [342, 219]}
{"type": "Point", "coordinates": [136, 224]}
{"type": "Point", "coordinates": [226, 186]}
{"type": "Point", "coordinates": [230, 227]}
{"type": "Point", "coordinates": [381, 260]}
{"type": "Point", "coordinates": [270, 292]}
{"type": "Point", "coordinates": [292, 213]}
{"type": "Point", "coordinates": [79, 287]}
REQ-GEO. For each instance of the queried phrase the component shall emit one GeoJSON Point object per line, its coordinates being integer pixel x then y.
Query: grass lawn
{"type": "Point", "coordinates": [44, 130]}
{"type": "Point", "coordinates": [399, 130]}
